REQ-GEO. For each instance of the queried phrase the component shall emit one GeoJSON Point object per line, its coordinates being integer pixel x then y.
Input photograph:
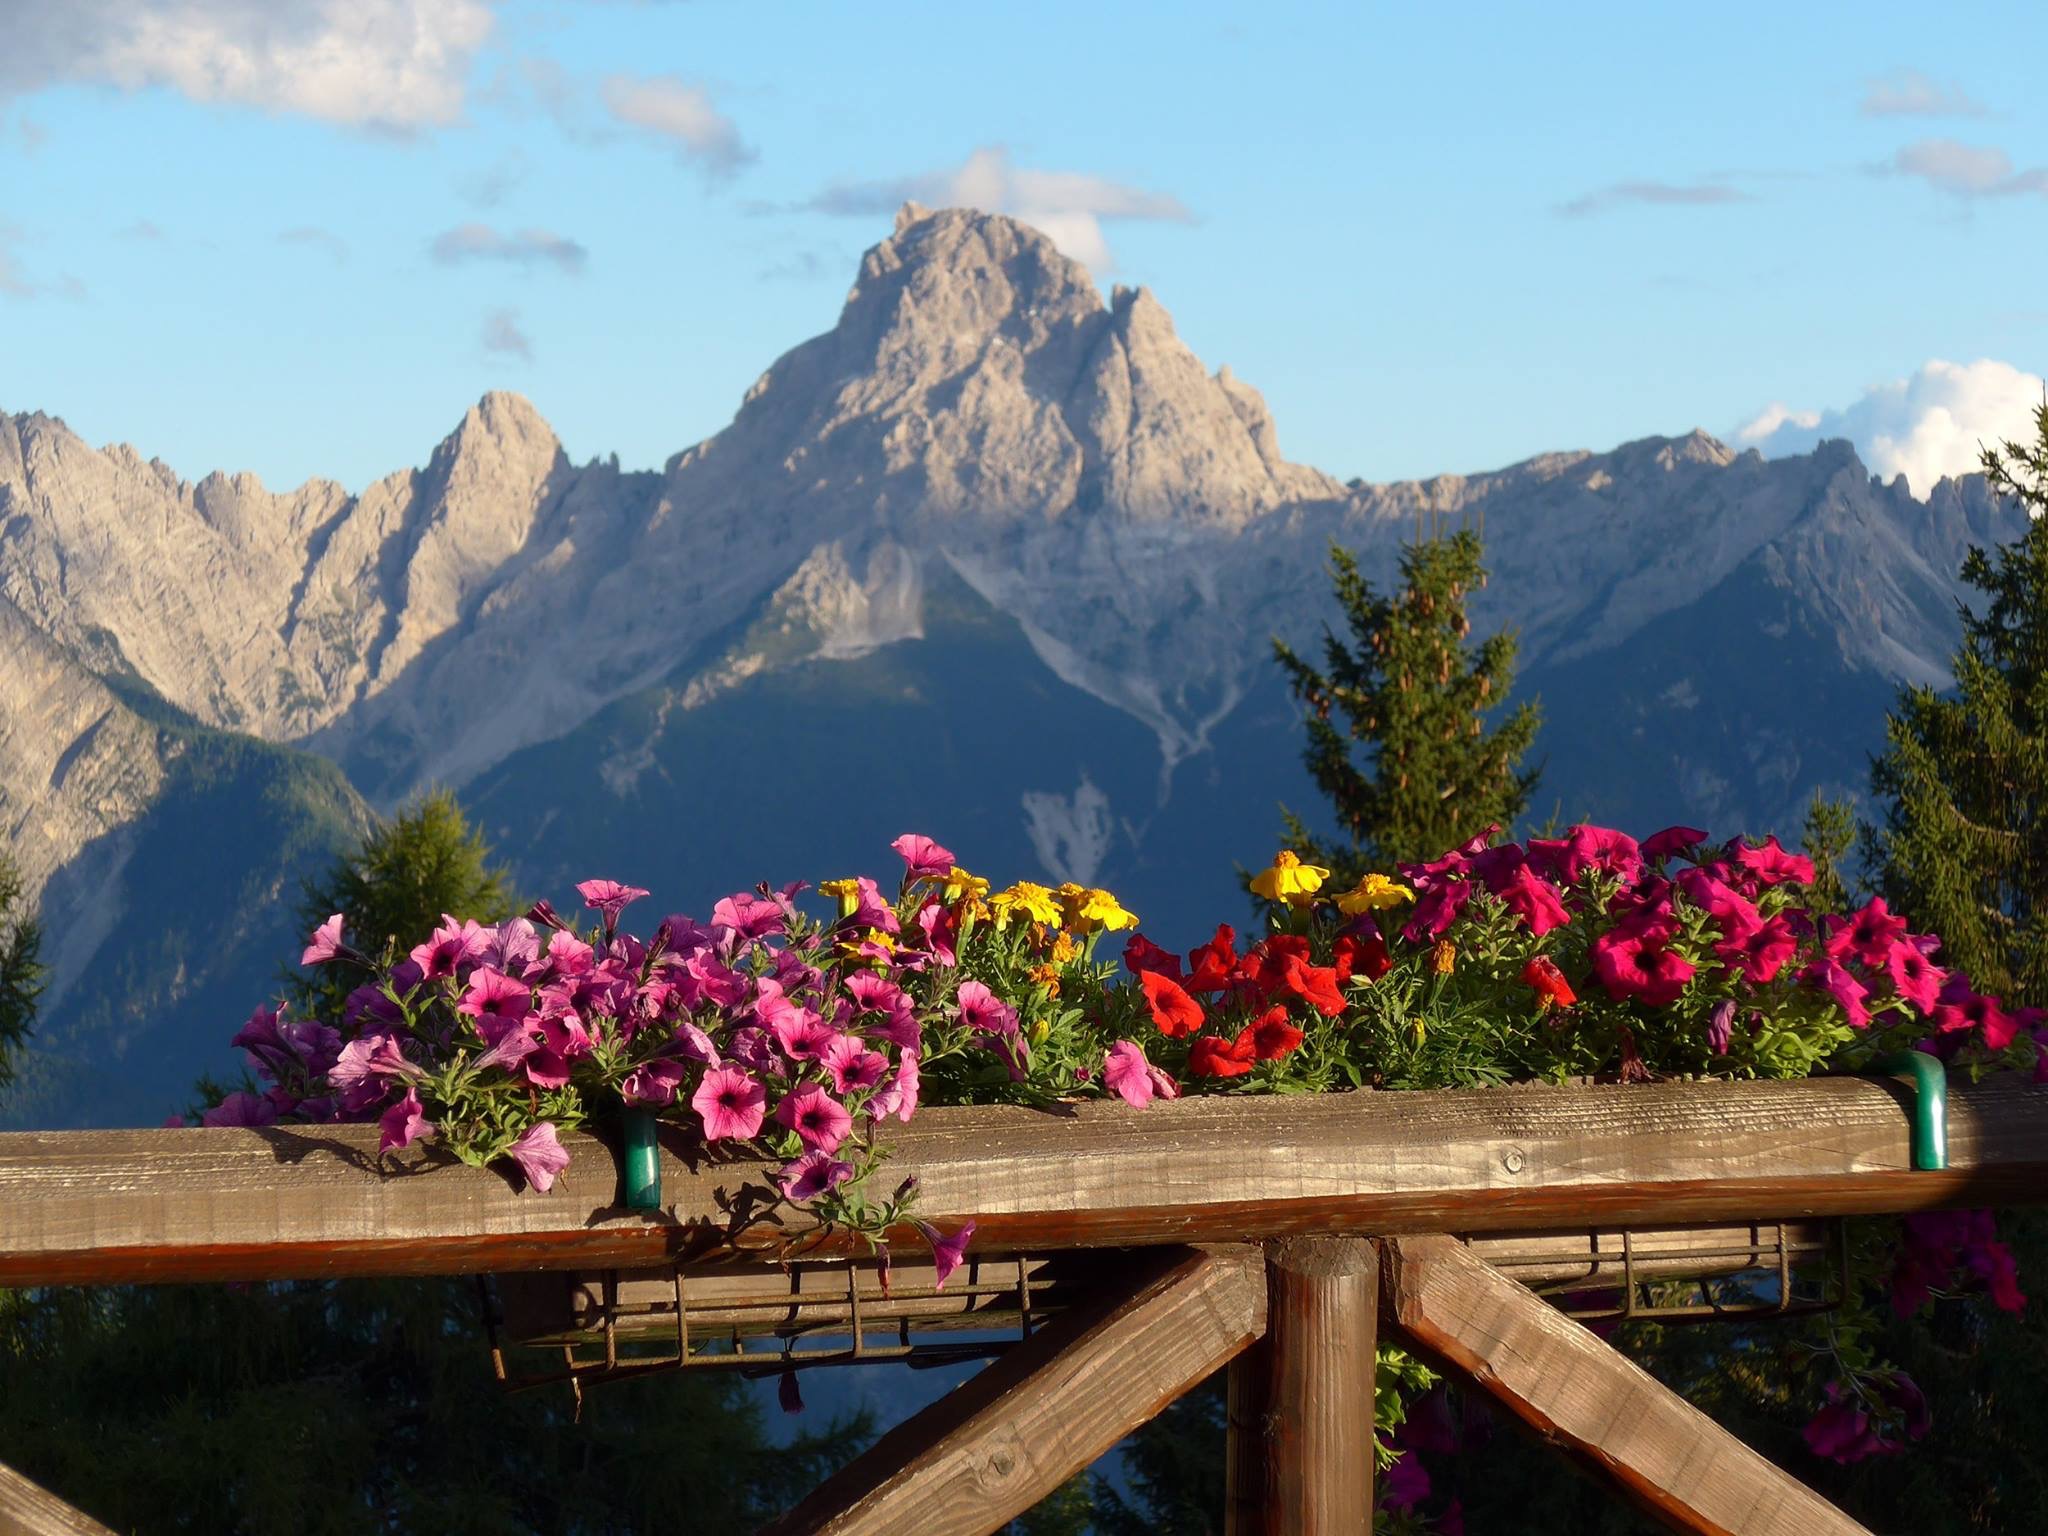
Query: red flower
{"type": "Point", "coordinates": [1269, 1037]}
{"type": "Point", "coordinates": [1213, 963]}
{"type": "Point", "coordinates": [1216, 1057]}
{"type": "Point", "coordinates": [1631, 961]}
{"type": "Point", "coordinates": [1141, 954]}
{"type": "Point", "coordinates": [1173, 1010]}
{"type": "Point", "coordinates": [1280, 966]}
{"type": "Point", "coordinates": [1542, 973]}
{"type": "Point", "coordinates": [1355, 954]}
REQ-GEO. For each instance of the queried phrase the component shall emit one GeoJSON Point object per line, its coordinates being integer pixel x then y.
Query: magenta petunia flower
{"type": "Point", "coordinates": [1770, 864]}
{"type": "Point", "coordinates": [820, 1120]}
{"type": "Point", "coordinates": [1833, 978]}
{"type": "Point", "coordinates": [1721, 1026]}
{"type": "Point", "coordinates": [241, 1109]}
{"type": "Point", "coordinates": [1960, 1007]}
{"type": "Point", "coordinates": [749, 916]}
{"type": "Point", "coordinates": [813, 1174]}
{"type": "Point", "coordinates": [652, 1084]}
{"type": "Point", "coordinates": [802, 1035]}
{"type": "Point", "coordinates": [1533, 899]}
{"type": "Point", "coordinates": [731, 1105]}
{"type": "Point", "coordinates": [452, 949]}
{"type": "Point", "coordinates": [941, 932]}
{"type": "Point", "coordinates": [898, 1094]}
{"type": "Point", "coordinates": [1126, 1073]}
{"type": "Point", "coordinates": [853, 1066]}
{"type": "Point", "coordinates": [515, 947]}
{"type": "Point", "coordinates": [371, 1057]}
{"type": "Point", "coordinates": [1603, 849]}
{"type": "Point", "coordinates": [1637, 964]}
{"type": "Point", "coordinates": [1869, 936]}
{"type": "Point", "coordinates": [608, 898]}
{"type": "Point", "coordinates": [947, 1252]}
{"type": "Point", "coordinates": [403, 1124]}
{"type": "Point", "coordinates": [983, 1012]}
{"type": "Point", "coordinates": [1841, 1431]}
{"type": "Point", "coordinates": [325, 944]}
{"type": "Point", "coordinates": [1761, 952]}
{"type": "Point", "coordinates": [1672, 842]}
{"type": "Point", "coordinates": [1728, 907]}
{"type": "Point", "coordinates": [540, 1155]}
{"type": "Point", "coordinates": [1914, 977]}
{"type": "Point", "coordinates": [544, 913]}
{"type": "Point", "coordinates": [496, 997]}
{"type": "Point", "coordinates": [925, 859]}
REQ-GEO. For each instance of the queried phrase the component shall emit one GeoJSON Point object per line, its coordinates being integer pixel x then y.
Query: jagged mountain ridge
{"type": "Point", "coordinates": [979, 421]}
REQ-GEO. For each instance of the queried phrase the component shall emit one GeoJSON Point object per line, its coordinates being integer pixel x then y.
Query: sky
{"type": "Point", "coordinates": [300, 237]}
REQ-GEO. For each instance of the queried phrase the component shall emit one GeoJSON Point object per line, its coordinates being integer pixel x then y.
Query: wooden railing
{"type": "Point", "coordinates": [1281, 1231]}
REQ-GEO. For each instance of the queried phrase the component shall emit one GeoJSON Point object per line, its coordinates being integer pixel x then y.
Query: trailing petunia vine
{"type": "Point", "coordinates": [802, 1035]}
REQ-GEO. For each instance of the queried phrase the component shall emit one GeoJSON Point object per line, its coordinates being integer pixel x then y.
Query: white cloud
{"type": "Point", "coordinates": [682, 115]}
{"type": "Point", "coordinates": [1965, 170]}
{"type": "Point", "coordinates": [527, 248]}
{"type": "Point", "coordinates": [316, 238]}
{"type": "Point", "coordinates": [1068, 206]}
{"type": "Point", "coordinates": [1910, 93]}
{"type": "Point", "coordinates": [400, 65]}
{"type": "Point", "coordinates": [1925, 427]}
{"type": "Point", "coordinates": [503, 336]}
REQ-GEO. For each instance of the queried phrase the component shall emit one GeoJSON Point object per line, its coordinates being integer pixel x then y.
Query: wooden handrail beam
{"type": "Point", "coordinates": [105, 1207]}
{"type": "Point", "coordinates": [28, 1509]}
{"type": "Point", "coordinates": [1588, 1399]}
{"type": "Point", "coordinates": [1009, 1436]}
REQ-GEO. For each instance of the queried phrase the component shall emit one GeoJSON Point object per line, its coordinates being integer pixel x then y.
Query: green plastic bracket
{"type": "Point", "coordinates": [643, 1162]}
{"type": "Point", "coordinates": [1930, 1104]}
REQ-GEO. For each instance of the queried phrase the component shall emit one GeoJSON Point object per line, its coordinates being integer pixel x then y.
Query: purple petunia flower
{"type": "Point", "coordinates": [820, 1120]}
{"type": "Point", "coordinates": [813, 1174]}
{"type": "Point", "coordinates": [947, 1252]}
{"type": "Point", "coordinates": [925, 859]}
{"type": "Point", "coordinates": [403, 1124]}
{"type": "Point", "coordinates": [730, 1103]}
{"type": "Point", "coordinates": [540, 1155]}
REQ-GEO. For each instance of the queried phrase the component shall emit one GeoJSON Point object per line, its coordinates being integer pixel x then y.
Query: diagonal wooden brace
{"type": "Point", "coordinates": [27, 1509]}
{"type": "Point", "coordinates": [1005, 1439]}
{"type": "Point", "coordinates": [1590, 1400]}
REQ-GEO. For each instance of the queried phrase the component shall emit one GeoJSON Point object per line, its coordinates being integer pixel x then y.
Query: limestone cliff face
{"type": "Point", "coordinates": [978, 413]}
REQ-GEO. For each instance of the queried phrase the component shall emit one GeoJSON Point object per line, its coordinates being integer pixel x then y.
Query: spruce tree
{"type": "Point", "coordinates": [394, 886]}
{"type": "Point", "coordinates": [1396, 715]}
{"type": "Point", "coordinates": [1963, 844]}
{"type": "Point", "coordinates": [21, 971]}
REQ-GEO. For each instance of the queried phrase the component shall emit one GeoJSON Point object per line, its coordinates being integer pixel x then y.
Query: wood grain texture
{"type": "Point", "coordinates": [1586, 1398]}
{"type": "Point", "coordinates": [1301, 1399]}
{"type": "Point", "coordinates": [1006, 1438]}
{"type": "Point", "coordinates": [28, 1509]}
{"type": "Point", "coordinates": [115, 1206]}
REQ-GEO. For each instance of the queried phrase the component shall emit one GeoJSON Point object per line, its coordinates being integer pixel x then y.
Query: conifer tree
{"type": "Point", "coordinates": [393, 887]}
{"type": "Point", "coordinates": [1397, 734]}
{"type": "Point", "coordinates": [1963, 844]}
{"type": "Point", "coordinates": [21, 971]}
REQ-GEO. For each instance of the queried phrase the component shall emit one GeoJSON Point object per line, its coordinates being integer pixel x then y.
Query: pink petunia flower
{"type": "Point", "coordinates": [495, 997]}
{"type": "Point", "coordinates": [819, 1120]}
{"type": "Point", "coordinates": [451, 950]}
{"type": "Point", "coordinates": [1637, 964]}
{"type": "Point", "coordinates": [813, 1174]}
{"type": "Point", "coordinates": [923, 858]}
{"type": "Point", "coordinates": [983, 1012]}
{"type": "Point", "coordinates": [1761, 952]}
{"type": "Point", "coordinates": [540, 1155]}
{"type": "Point", "coordinates": [1914, 977]}
{"type": "Point", "coordinates": [403, 1124]}
{"type": "Point", "coordinates": [241, 1109]}
{"type": "Point", "coordinates": [325, 944]}
{"type": "Point", "coordinates": [898, 1094]}
{"type": "Point", "coordinates": [1672, 842]}
{"type": "Point", "coordinates": [853, 1066]}
{"type": "Point", "coordinates": [1833, 978]}
{"type": "Point", "coordinates": [947, 1252]}
{"type": "Point", "coordinates": [1870, 935]}
{"type": "Point", "coordinates": [1770, 864]}
{"type": "Point", "coordinates": [1126, 1073]}
{"type": "Point", "coordinates": [748, 916]}
{"type": "Point", "coordinates": [731, 1105]}
{"type": "Point", "coordinates": [608, 898]}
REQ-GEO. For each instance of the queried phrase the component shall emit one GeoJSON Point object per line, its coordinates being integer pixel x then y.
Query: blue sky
{"type": "Point", "coordinates": [301, 236]}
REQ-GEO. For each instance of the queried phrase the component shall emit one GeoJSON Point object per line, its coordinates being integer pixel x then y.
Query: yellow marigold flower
{"type": "Point", "coordinates": [1033, 901]}
{"type": "Point", "coordinates": [1290, 880]}
{"type": "Point", "coordinates": [1372, 894]}
{"type": "Point", "coordinates": [1444, 957]}
{"type": "Point", "coordinates": [847, 892]}
{"type": "Point", "coordinates": [1046, 976]}
{"type": "Point", "coordinates": [860, 948]}
{"type": "Point", "coordinates": [1099, 909]}
{"type": "Point", "coordinates": [1064, 949]}
{"type": "Point", "coordinates": [959, 884]}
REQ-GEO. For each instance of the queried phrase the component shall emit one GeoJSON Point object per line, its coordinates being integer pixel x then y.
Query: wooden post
{"type": "Point", "coordinates": [27, 1509]}
{"type": "Point", "coordinates": [1301, 1399]}
{"type": "Point", "coordinates": [1588, 1399]}
{"type": "Point", "coordinates": [1003, 1440]}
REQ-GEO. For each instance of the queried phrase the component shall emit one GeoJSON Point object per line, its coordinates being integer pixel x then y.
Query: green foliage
{"type": "Point", "coordinates": [21, 973]}
{"type": "Point", "coordinates": [1963, 845]}
{"type": "Point", "coordinates": [393, 886]}
{"type": "Point", "coordinates": [1830, 839]}
{"type": "Point", "coordinates": [1397, 714]}
{"type": "Point", "coordinates": [338, 1408]}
